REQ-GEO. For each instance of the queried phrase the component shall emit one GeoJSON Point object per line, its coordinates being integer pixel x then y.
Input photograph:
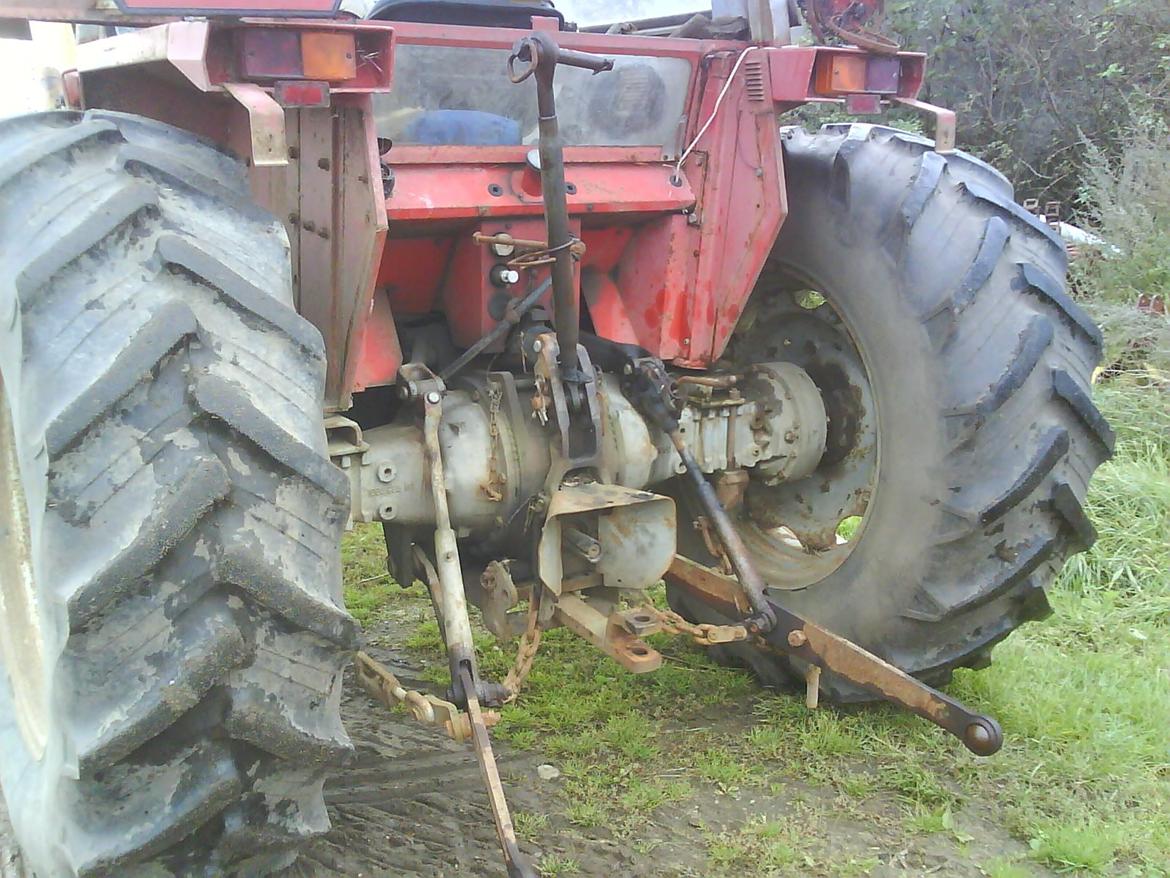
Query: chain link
{"type": "Point", "coordinates": [495, 484]}
{"type": "Point", "coordinates": [704, 634]}
{"type": "Point", "coordinates": [525, 654]}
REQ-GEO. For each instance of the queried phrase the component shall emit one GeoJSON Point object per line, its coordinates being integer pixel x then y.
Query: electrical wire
{"type": "Point", "coordinates": [676, 177]}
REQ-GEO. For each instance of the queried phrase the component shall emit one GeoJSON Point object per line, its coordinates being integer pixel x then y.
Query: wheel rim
{"type": "Point", "coordinates": [21, 642]}
{"type": "Point", "coordinates": [800, 532]}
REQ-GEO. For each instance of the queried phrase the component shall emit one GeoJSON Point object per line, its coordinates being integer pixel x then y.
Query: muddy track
{"type": "Point", "coordinates": [411, 805]}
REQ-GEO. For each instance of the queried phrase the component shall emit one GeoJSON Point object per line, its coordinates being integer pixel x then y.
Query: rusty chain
{"type": "Point", "coordinates": [525, 654]}
{"type": "Point", "coordinates": [382, 685]}
{"type": "Point", "coordinates": [495, 483]}
{"type": "Point", "coordinates": [704, 634]}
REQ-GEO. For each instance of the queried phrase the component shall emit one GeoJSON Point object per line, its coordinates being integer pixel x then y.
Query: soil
{"type": "Point", "coordinates": [412, 805]}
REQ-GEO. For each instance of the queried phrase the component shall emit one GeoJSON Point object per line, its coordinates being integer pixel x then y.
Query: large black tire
{"type": "Point", "coordinates": [184, 521]}
{"type": "Point", "coordinates": [979, 365]}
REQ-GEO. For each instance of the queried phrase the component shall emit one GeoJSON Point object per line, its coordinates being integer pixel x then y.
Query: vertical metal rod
{"type": "Point", "coordinates": [453, 602]}
{"type": "Point", "coordinates": [541, 54]}
{"type": "Point", "coordinates": [566, 307]}
{"type": "Point", "coordinates": [516, 863]}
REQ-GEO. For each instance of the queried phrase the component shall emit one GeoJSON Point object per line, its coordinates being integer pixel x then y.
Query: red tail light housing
{"type": "Point", "coordinates": [347, 57]}
{"type": "Point", "coordinates": [842, 74]}
{"type": "Point", "coordinates": [276, 53]}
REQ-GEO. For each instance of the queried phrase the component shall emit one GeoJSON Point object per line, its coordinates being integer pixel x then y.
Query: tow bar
{"type": "Point", "coordinates": [821, 649]}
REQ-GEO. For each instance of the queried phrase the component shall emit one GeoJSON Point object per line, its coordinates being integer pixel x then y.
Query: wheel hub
{"type": "Point", "coordinates": [795, 528]}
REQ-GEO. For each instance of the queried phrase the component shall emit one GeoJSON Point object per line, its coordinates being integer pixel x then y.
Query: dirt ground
{"type": "Point", "coordinates": [412, 805]}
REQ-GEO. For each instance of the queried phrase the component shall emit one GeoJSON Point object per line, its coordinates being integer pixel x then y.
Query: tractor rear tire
{"type": "Point", "coordinates": [170, 701]}
{"type": "Point", "coordinates": [980, 366]}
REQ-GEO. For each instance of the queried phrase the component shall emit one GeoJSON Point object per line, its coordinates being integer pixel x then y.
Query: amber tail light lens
{"type": "Point", "coordinates": [279, 53]}
{"type": "Point", "coordinates": [836, 74]}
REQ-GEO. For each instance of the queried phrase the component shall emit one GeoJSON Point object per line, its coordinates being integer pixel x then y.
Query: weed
{"type": "Point", "coordinates": [1086, 847]}
{"type": "Point", "coordinates": [529, 824]}
{"type": "Point", "coordinates": [721, 766]}
{"type": "Point", "coordinates": [556, 866]}
{"type": "Point", "coordinates": [760, 848]}
{"type": "Point", "coordinates": [1004, 868]}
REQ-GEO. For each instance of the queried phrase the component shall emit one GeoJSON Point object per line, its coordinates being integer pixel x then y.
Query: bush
{"type": "Point", "coordinates": [1032, 82]}
{"type": "Point", "coordinates": [1127, 203]}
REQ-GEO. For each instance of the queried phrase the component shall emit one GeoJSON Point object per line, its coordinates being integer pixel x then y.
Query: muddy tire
{"type": "Point", "coordinates": [170, 701]}
{"type": "Point", "coordinates": [977, 391]}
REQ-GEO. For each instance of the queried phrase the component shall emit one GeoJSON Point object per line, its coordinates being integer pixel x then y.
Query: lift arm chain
{"type": "Point", "coordinates": [525, 654]}
{"type": "Point", "coordinates": [703, 634]}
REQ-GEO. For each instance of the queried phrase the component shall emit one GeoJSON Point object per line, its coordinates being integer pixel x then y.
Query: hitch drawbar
{"type": "Point", "coordinates": [822, 650]}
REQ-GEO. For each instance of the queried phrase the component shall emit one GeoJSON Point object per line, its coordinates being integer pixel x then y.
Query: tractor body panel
{"type": "Point", "coordinates": [381, 210]}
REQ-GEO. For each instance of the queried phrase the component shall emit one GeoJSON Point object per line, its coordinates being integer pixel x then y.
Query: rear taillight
{"type": "Point", "coordinates": [843, 74]}
{"type": "Point", "coordinates": [279, 53]}
{"type": "Point", "coordinates": [301, 93]}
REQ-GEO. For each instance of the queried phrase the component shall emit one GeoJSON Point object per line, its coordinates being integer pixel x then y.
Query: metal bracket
{"type": "Point", "coordinates": [266, 120]}
{"type": "Point", "coordinates": [944, 122]}
{"type": "Point", "coordinates": [608, 633]}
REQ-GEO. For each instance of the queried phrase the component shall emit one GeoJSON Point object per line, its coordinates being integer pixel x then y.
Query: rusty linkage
{"type": "Point", "coordinates": [819, 648]}
{"type": "Point", "coordinates": [525, 653]}
{"type": "Point", "coordinates": [383, 686]}
{"type": "Point", "coordinates": [703, 634]}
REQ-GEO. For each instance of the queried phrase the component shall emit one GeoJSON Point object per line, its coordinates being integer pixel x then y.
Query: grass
{"type": "Point", "coordinates": [1083, 782]}
{"type": "Point", "coordinates": [555, 866]}
{"type": "Point", "coordinates": [761, 848]}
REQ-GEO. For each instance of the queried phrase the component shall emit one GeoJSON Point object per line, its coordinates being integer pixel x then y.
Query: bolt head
{"type": "Point", "coordinates": [434, 397]}
{"type": "Point", "coordinates": [796, 638]}
{"type": "Point", "coordinates": [538, 346]}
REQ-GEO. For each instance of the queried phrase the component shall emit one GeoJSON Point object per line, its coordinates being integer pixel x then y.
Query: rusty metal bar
{"type": "Point", "coordinates": [516, 863]}
{"type": "Point", "coordinates": [266, 121]}
{"type": "Point", "coordinates": [823, 649]}
{"type": "Point", "coordinates": [609, 634]}
{"type": "Point", "coordinates": [944, 122]}
{"type": "Point", "coordinates": [763, 618]}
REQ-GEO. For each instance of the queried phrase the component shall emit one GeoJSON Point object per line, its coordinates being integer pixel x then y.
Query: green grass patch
{"type": "Point", "coordinates": [556, 866]}
{"type": "Point", "coordinates": [761, 848]}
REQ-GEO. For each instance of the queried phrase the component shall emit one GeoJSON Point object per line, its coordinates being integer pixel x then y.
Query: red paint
{"type": "Point", "coordinates": [302, 94]}
{"type": "Point", "coordinates": [380, 352]}
{"type": "Point", "coordinates": [667, 267]}
{"type": "Point", "coordinates": [412, 270]}
{"type": "Point", "coordinates": [426, 191]}
{"type": "Point", "coordinates": [604, 246]}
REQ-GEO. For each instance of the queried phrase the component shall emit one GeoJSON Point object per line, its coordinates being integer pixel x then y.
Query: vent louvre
{"type": "Point", "coordinates": [753, 77]}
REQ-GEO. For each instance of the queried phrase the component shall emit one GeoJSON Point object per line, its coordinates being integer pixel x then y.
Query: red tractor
{"type": "Point", "coordinates": [569, 311]}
